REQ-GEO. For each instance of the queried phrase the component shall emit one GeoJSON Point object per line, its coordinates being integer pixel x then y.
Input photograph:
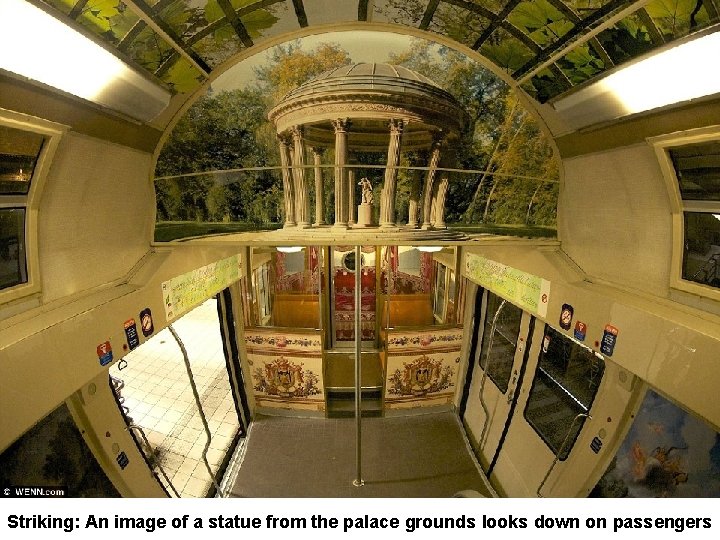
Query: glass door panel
{"type": "Point", "coordinates": [343, 291]}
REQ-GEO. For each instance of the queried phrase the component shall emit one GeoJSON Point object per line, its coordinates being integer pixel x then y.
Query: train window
{"type": "Point", "coordinates": [690, 162]}
{"type": "Point", "coordinates": [13, 270]}
{"type": "Point", "coordinates": [27, 145]}
{"type": "Point", "coordinates": [19, 152]}
{"type": "Point", "coordinates": [697, 169]}
{"type": "Point", "coordinates": [261, 282]}
{"type": "Point", "coordinates": [439, 296]}
{"type": "Point", "coordinates": [701, 253]}
{"type": "Point", "coordinates": [566, 380]}
{"type": "Point", "coordinates": [499, 343]}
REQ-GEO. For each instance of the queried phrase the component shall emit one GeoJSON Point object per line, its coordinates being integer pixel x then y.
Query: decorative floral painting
{"type": "Point", "coordinates": [286, 379]}
{"type": "Point", "coordinates": [422, 367]}
{"type": "Point", "coordinates": [286, 369]}
{"type": "Point", "coordinates": [421, 377]}
{"type": "Point", "coordinates": [666, 453]}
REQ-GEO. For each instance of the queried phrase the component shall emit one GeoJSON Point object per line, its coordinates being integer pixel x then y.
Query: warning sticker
{"type": "Point", "coordinates": [146, 322]}
{"type": "Point", "coordinates": [580, 331]}
{"type": "Point", "coordinates": [131, 334]}
{"type": "Point", "coordinates": [104, 352]}
{"type": "Point", "coordinates": [566, 316]}
{"type": "Point", "coordinates": [607, 346]}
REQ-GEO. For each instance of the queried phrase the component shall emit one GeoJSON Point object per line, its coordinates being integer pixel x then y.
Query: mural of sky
{"type": "Point", "coordinates": [666, 453]}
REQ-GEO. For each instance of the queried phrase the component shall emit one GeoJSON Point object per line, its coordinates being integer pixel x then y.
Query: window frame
{"type": "Point", "coordinates": [543, 436]}
{"type": "Point", "coordinates": [53, 133]}
{"type": "Point", "coordinates": [678, 206]}
{"type": "Point", "coordinates": [488, 335]}
{"type": "Point", "coordinates": [440, 293]}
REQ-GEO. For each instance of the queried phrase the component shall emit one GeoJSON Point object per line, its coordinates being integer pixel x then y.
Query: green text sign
{"type": "Point", "coordinates": [186, 291]}
{"type": "Point", "coordinates": [528, 291]}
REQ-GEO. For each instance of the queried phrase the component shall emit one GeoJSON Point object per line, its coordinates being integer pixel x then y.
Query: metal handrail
{"type": "Point", "coordinates": [186, 359]}
{"type": "Point", "coordinates": [485, 372]}
{"type": "Point", "coordinates": [358, 373]}
{"type": "Point", "coordinates": [561, 449]}
{"type": "Point", "coordinates": [155, 462]}
{"type": "Point", "coordinates": [351, 166]}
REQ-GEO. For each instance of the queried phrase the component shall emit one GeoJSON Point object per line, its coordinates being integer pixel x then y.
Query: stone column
{"type": "Point", "coordinates": [341, 127]}
{"type": "Point", "coordinates": [387, 203]}
{"type": "Point", "coordinates": [438, 219]}
{"type": "Point", "coordinates": [288, 191]}
{"type": "Point", "coordinates": [351, 196]}
{"type": "Point", "coordinates": [317, 153]}
{"type": "Point", "coordinates": [414, 202]}
{"type": "Point", "coordinates": [430, 179]}
{"type": "Point", "coordinates": [302, 201]}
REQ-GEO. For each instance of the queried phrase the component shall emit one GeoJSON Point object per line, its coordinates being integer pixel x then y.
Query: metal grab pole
{"type": "Point", "coordinates": [208, 435]}
{"type": "Point", "coordinates": [358, 383]}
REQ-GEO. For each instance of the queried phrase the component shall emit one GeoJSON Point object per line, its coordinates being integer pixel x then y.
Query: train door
{"type": "Point", "coordinates": [342, 303]}
{"type": "Point", "coordinates": [549, 449]}
{"type": "Point", "coordinates": [183, 399]}
{"type": "Point", "coordinates": [499, 365]}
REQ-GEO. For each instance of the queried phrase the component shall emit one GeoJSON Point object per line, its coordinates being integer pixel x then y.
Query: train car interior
{"type": "Point", "coordinates": [360, 248]}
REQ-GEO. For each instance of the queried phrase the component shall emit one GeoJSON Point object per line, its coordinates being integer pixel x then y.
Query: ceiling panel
{"type": "Point", "coordinates": [549, 46]}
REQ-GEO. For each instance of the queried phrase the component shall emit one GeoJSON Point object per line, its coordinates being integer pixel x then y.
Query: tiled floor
{"type": "Point", "coordinates": [159, 398]}
{"type": "Point", "coordinates": [409, 456]}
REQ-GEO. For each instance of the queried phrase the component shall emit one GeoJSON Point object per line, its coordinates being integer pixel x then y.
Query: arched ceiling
{"type": "Point", "coordinates": [546, 47]}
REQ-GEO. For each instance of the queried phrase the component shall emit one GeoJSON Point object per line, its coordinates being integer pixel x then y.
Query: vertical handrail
{"type": "Point", "coordinates": [485, 372]}
{"type": "Point", "coordinates": [561, 449]}
{"type": "Point", "coordinates": [199, 406]}
{"type": "Point", "coordinates": [155, 463]}
{"type": "Point", "coordinates": [358, 372]}
{"type": "Point", "coordinates": [320, 269]}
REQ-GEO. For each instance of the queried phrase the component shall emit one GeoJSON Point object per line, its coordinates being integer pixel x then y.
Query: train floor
{"type": "Point", "coordinates": [424, 455]}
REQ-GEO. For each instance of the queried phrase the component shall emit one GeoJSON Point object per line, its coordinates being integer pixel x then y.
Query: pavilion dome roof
{"type": "Point", "coordinates": [370, 94]}
{"type": "Point", "coordinates": [365, 76]}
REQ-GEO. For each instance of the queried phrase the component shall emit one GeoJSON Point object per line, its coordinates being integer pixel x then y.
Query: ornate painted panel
{"type": "Point", "coordinates": [422, 367]}
{"type": "Point", "coordinates": [667, 453]}
{"type": "Point", "coordinates": [286, 369]}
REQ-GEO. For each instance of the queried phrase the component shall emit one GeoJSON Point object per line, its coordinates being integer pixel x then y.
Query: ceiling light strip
{"type": "Point", "coordinates": [76, 62]}
{"type": "Point", "coordinates": [567, 47]}
{"type": "Point", "coordinates": [146, 14]}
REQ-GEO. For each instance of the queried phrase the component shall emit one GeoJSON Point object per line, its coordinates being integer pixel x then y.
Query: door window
{"type": "Point", "coordinates": [502, 326]}
{"type": "Point", "coordinates": [566, 380]}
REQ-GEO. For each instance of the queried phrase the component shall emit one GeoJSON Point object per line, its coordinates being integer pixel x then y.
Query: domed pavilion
{"type": "Point", "coordinates": [366, 107]}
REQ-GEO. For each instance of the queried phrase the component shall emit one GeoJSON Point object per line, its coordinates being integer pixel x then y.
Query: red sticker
{"type": "Point", "coordinates": [104, 352]}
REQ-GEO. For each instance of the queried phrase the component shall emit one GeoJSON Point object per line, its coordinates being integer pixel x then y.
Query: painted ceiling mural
{"type": "Point", "coordinates": [505, 177]}
{"type": "Point", "coordinates": [667, 453]}
{"type": "Point", "coordinates": [547, 46]}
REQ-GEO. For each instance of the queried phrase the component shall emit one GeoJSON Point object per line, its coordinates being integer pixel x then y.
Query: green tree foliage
{"type": "Point", "coordinates": [218, 132]}
{"type": "Point", "coordinates": [230, 130]}
{"type": "Point", "coordinates": [500, 137]}
{"type": "Point", "coordinates": [290, 66]}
